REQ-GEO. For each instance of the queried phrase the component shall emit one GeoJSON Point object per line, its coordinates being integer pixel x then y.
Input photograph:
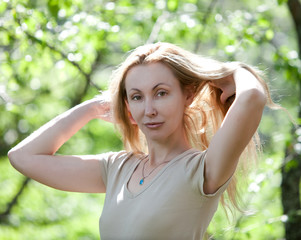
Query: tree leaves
{"type": "Point", "coordinates": [54, 54]}
{"type": "Point", "coordinates": [280, 2]}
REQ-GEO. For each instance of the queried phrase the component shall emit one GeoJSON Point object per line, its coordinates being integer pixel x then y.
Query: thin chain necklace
{"type": "Point", "coordinates": [143, 168]}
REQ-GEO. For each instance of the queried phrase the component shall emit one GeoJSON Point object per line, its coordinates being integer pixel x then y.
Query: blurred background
{"type": "Point", "coordinates": [55, 54]}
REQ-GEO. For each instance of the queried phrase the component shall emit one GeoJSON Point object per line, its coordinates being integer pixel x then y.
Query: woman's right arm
{"type": "Point", "coordinates": [34, 156]}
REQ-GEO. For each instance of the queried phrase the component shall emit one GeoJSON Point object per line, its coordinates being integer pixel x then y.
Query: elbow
{"type": "Point", "coordinates": [14, 158]}
{"type": "Point", "coordinates": [259, 97]}
{"type": "Point", "coordinates": [254, 97]}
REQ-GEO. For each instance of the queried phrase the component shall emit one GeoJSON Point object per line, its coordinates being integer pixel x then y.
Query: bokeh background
{"type": "Point", "coordinates": [55, 54]}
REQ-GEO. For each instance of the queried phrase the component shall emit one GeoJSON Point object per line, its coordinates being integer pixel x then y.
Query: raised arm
{"type": "Point", "coordinates": [34, 156]}
{"type": "Point", "coordinates": [237, 129]}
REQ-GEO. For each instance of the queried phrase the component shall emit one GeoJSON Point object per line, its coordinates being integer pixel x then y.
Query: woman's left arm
{"type": "Point", "coordinates": [237, 128]}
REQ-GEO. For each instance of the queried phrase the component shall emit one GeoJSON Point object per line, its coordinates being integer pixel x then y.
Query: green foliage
{"type": "Point", "coordinates": [172, 5]}
{"type": "Point", "coordinates": [44, 213]}
{"type": "Point", "coordinates": [55, 54]}
{"type": "Point", "coordinates": [292, 164]}
{"type": "Point", "coordinates": [281, 1]}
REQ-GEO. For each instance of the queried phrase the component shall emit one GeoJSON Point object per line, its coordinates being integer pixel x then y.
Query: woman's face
{"type": "Point", "coordinates": [156, 101]}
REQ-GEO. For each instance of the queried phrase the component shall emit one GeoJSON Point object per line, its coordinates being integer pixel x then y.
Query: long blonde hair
{"type": "Point", "coordinates": [206, 113]}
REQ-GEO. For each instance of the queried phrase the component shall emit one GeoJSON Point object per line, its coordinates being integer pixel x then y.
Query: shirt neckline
{"type": "Point", "coordinates": [133, 195]}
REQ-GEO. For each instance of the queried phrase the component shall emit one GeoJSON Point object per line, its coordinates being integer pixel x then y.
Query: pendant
{"type": "Point", "coordinates": [141, 181]}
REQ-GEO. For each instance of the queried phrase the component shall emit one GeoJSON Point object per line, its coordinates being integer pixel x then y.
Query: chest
{"type": "Point", "coordinates": [156, 210]}
{"type": "Point", "coordinates": [142, 176]}
{"type": "Point", "coordinates": [166, 186]}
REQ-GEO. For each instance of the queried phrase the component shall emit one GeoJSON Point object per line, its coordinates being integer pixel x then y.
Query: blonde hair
{"type": "Point", "coordinates": [206, 113]}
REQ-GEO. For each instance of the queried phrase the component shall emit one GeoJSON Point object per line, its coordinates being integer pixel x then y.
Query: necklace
{"type": "Point", "coordinates": [143, 168]}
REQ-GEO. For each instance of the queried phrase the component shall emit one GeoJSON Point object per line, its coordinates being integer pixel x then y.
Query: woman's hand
{"type": "Point", "coordinates": [102, 106]}
{"type": "Point", "coordinates": [235, 84]}
{"type": "Point", "coordinates": [227, 89]}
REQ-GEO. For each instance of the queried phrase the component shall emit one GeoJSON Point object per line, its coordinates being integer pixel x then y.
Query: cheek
{"type": "Point", "coordinates": [135, 110]}
{"type": "Point", "coordinates": [175, 109]}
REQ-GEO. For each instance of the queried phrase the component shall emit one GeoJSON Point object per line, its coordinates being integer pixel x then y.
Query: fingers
{"type": "Point", "coordinates": [104, 96]}
{"type": "Point", "coordinates": [103, 105]}
{"type": "Point", "coordinates": [227, 88]}
{"type": "Point", "coordinates": [228, 96]}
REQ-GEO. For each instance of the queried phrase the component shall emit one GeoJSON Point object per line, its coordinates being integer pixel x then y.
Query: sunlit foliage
{"type": "Point", "coordinates": [56, 54]}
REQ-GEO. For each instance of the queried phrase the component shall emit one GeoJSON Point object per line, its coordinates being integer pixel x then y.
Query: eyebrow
{"type": "Point", "coordinates": [157, 85]}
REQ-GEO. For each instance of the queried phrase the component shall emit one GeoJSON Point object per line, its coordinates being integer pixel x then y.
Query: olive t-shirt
{"type": "Point", "coordinates": [172, 206]}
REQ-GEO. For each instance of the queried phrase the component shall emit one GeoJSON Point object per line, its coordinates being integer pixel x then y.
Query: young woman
{"type": "Point", "coordinates": [185, 121]}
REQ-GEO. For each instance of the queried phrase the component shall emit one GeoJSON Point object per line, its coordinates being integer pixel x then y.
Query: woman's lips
{"type": "Point", "coordinates": [153, 124]}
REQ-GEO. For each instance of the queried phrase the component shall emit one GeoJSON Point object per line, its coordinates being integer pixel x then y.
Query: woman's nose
{"type": "Point", "coordinates": [150, 109]}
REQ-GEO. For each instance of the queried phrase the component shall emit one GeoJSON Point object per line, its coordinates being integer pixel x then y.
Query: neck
{"type": "Point", "coordinates": [162, 151]}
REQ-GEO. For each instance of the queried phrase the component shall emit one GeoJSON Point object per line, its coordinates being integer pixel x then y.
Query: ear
{"type": "Point", "coordinates": [189, 92]}
{"type": "Point", "coordinates": [129, 113]}
{"type": "Point", "coordinates": [127, 105]}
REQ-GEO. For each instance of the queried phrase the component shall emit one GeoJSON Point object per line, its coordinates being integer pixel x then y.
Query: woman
{"type": "Point", "coordinates": [185, 121]}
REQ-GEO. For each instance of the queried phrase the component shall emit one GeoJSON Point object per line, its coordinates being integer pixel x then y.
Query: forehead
{"type": "Point", "coordinates": [148, 75]}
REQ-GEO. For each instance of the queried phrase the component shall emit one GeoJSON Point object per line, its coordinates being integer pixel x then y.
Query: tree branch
{"type": "Point", "coordinates": [10, 205]}
{"type": "Point", "coordinates": [87, 76]}
{"type": "Point", "coordinates": [203, 23]}
{"type": "Point", "coordinates": [76, 100]}
{"type": "Point", "coordinates": [157, 26]}
{"type": "Point", "coordinates": [295, 10]}
{"type": "Point", "coordinates": [88, 81]}
{"type": "Point", "coordinates": [290, 192]}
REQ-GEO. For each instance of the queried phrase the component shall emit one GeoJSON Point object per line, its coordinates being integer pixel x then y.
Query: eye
{"type": "Point", "coordinates": [136, 97]}
{"type": "Point", "coordinates": [161, 93]}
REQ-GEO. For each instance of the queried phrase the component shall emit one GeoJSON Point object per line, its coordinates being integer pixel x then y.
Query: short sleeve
{"type": "Point", "coordinates": [220, 190]}
{"type": "Point", "coordinates": [196, 172]}
{"type": "Point", "coordinates": [106, 160]}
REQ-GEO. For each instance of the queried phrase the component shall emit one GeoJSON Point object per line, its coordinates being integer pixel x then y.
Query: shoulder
{"type": "Point", "coordinates": [193, 163]}
{"type": "Point", "coordinates": [117, 158]}
{"type": "Point", "coordinates": [195, 157]}
{"type": "Point", "coordinates": [195, 173]}
{"type": "Point", "coordinates": [112, 164]}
